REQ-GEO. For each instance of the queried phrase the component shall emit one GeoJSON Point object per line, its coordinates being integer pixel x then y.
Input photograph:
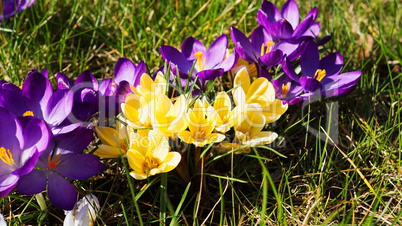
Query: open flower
{"type": "Point", "coordinates": [285, 24]}
{"type": "Point", "coordinates": [151, 155]}
{"type": "Point", "coordinates": [36, 98]}
{"type": "Point", "coordinates": [322, 76]}
{"type": "Point", "coordinates": [201, 124]}
{"type": "Point", "coordinates": [22, 141]}
{"type": "Point", "coordinates": [62, 159]}
{"type": "Point", "coordinates": [84, 212]}
{"type": "Point", "coordinates": [11, 7]}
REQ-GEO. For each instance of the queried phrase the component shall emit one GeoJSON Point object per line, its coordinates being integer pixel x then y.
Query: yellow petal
{"type": "Point", "coordinates": [108, 136]}
{"type": "Point", "coordinates": [242, 79]}
{"type": "Point", "coordinates": [138, 176]}
{"type": "Point", "coordinates": [136, 160]}
{"type": "Point", "coordinates": [274, 111]}
{"type": "Point", "coordinates": [172, 160]}
{"type": "Point", "coordinates": [262, 138]}
{"type": "Point", "coordinates": [106, 151]}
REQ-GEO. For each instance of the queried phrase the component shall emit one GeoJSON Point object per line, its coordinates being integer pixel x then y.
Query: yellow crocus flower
{"type": "Point", "coordinates": [222, 112]}
{"type": "Point", "coordinates": [147, 85]}
{"type": "Point", "coordinates": [260, 91]}
{"type": "Point", "coordinates": [151, 155]}
{"type": "Point", "coordinates": [170, 118]}
{"type": "Point", "coordinates": [114, 140]}
{"type": "Point", "coordinates": [201, 125]}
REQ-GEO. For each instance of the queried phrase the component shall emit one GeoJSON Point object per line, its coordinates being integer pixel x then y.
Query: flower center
{"type": "Point", "coordinates": [266, 47]}
{"type": "Point", "coordinates": [150, 163]}
{"type": "Point", "coordinates": [285, 89]}
{"type": "Point", "coordinates": [28, 113]}
{"type": "Point", "coordinates": [320, 74]}
{"type": "Point", "coordinates": [55, 162]}
{"type": "Point", "coordinates": [199, 135]}
{"type": "Point", "coordinates": [6, 156]}
{"type": "Point", "coordinates": [200, 60]}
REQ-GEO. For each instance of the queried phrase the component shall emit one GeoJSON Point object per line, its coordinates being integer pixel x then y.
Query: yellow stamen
{"type": "Point", "coordinates": [149, 164]}
{"type": "Point", "coordinates": [266, 47]}
{"type": "Point", "coordinates": [28, 113]}
{"type": "Point", "coordinates": [6, 156]}
{"type": "Point", "coordinates": [55, 162]}
{"type": "Point", "coordinates": [320, 74]}
{"type": "Point", "coordinates": [285, 89]}
{"type": "Point", "coordinates": [200, 60]}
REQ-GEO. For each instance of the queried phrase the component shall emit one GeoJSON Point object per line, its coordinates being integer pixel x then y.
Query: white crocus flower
{"type": "Point", "coordinates": [84, 212]}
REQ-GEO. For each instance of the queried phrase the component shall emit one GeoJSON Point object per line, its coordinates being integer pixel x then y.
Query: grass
{"type": "Point", "coordinates": [355, 182]}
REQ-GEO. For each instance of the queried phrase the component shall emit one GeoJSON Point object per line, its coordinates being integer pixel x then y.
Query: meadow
{"type": "Point", "coordinates": [305, 177]}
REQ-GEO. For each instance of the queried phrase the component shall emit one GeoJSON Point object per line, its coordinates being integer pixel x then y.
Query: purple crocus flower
{"type": "Point", "coordinates": [322, 75]}
{"type": "Point", "coordinates": [285, 24]}
{"type": "Point", "coordinates": [59, 161]}
{"type": "Point", "coordinates": [36, 98]}
{"type": "Point", "coordinates": [263, 50]}
{"type": "Point", "coordinates": [22, 141]}
{"type": "Point", "coordinates": [11, 7]}
{"type": "Point", "coordinates": [209, 63]}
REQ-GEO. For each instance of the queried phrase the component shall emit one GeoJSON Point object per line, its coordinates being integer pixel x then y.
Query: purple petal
{"type": "Point", "coordinates": [7, 183]}
{"type": "Point", "coordinates": [86, 79]}
{"type": "Point", "coordinates": [61, 193]}
{"type": "Point", "coordinates": [229, 62]}
{"type": "Point", "coordinates": [32, 183]}
{"type": "Point", "coordinates": [303, 26]}
{"type": "Point", "coordinates": [36, 133]}
{"type": "Point", "coordinates": [122, 90]}
{"type": "Point", "coordinates": [282, 29]}
{"type": "Point", "coordinates": [290, 49]}
{"type": "Point", "coordinates": [9, 98]}
{"type": "Point", "coordinates": [62, 132]}
{"type": "Point", "coordinates": [309, 60]}
{"type": "Point", "coordinates": [332, 64]}
{"type": "Point", "coordinates": [313, 31]}
{"type": "Point", "coordinates": [210, 74]}
{"type": "Point", "coordinates": [80, 167]}
{"type": "Point", "coordinates": [216, 52]}
{"type": "Point", "coordinates": [262, 20]}
{"type": "Point", "coordinates": [310, 84]}
{"type": "Point", "coordinates": [190, 46]}
{"type": "Point", "coordinates": [341, 81]}
{"type": "Point", "coordinates": [324, 40]}
{"type": "Point", "coordinates": [58, 107]}
{"type": "Point", "coordinates": [28, 159]}
{"type": "Point", "coordinates": [270, 11]}
{"type": "Point", "coordinates": [76, 143]}
{"type": "Point", "coordinates": [63, 82]}
{"type": "Point", "coordinates": [38, 90]}
{"type": "Point", "coordinates": [290, 11]}
{"type": "Point", "coordinates": [11, 87]}
{"type": "Point", "coordinates": [105, 87]}
{"type": "Point", "coordinates": [11, 137]}
{"type": "Point", "coordinates": [272, 58]}
{"type": "Point", "coordinates": [289, 70]}
{"type": "Point", "coordinates": [124, 70]}
{"type": "Point", "coordinates": [174, 56]}
{"type": "Point", "coordinates": [243, 46]}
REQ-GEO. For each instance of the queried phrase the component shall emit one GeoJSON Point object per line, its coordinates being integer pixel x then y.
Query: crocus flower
{"type": "Point", "coordinates": [209, 63]}
{"type": "Point", "coordinates": [285, 24]}
{"type": "Point", "coordinates": [262, 50]}
{"type": "Point", "coordinates": [201, 124]}
{"type": "Point", "coordinates": [151, 155]}
{"type": "Point", "coordinates": [36, 98]}
{"type": "Point", "coordinates": [62, 159]}
{"type": "Point", "coordinates": [22, 141]}
{"type": "Point", "coordinates": [84, 212]}
{"type": "Point", "coordinates": [322, 76]}
{"type": "Point", "coordinates": [11, 7]}
{"type": "Point", "coordinates": [114, 140]}
{"type": "Point", "coordinates": [261, 92]}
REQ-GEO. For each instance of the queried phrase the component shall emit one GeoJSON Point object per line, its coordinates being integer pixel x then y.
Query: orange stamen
{"type": "Point", "coordinates": [28, 113]}
{"type": "Point", "coordinates": [6, 156]}
{"type": "Point", "coordinates": [320, 74]}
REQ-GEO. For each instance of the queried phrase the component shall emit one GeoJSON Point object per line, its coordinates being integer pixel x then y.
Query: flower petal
{"type": "Point", "coordinates": [80, 167]}
{"type": "Point", "coordinates": [61, 193]}
{"type": "Point", "coordinates": [32, 183]}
